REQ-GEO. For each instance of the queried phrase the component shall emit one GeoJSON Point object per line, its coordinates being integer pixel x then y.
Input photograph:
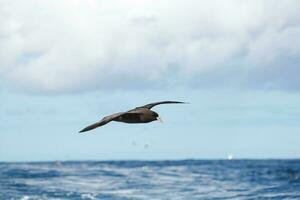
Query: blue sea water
{"type": "Point", "coordinates": [118, 180]}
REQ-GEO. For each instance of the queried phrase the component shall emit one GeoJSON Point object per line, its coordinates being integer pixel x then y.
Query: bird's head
{"type": "Point", "coordinates": [156, 116]}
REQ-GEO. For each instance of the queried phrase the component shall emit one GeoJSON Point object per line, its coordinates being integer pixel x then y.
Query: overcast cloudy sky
{"type": "Point", "coordinates": [67, 63]}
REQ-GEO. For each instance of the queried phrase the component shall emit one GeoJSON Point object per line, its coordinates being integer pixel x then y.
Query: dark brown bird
{"type": "Point", "coordinates": [142, 114]}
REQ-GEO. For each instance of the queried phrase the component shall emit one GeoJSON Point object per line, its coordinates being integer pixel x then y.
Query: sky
{"type": "Point", "coordinates": [65, 64]}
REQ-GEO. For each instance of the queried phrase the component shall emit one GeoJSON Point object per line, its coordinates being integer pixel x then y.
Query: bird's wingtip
{"type": "Point", "coordinates": [83, 130]}
{"type": "Point", "coordinates": [185, 102]}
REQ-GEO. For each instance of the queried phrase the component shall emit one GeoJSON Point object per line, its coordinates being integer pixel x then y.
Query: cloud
{"type": "Point", "coordinates": [59, 46]}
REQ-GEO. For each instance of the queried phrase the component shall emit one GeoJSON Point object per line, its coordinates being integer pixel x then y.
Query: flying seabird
{"type": "Point", "coordinates": [142, 114]}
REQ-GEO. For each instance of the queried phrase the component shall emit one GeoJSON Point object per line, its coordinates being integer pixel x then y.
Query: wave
{"type": "Point", "coordinates": [187, 179]}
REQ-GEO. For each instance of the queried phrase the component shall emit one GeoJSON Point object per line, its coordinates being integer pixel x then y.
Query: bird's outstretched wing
{"type": "Point", "coordinates": [102, 122]}
{"type": "Point", "coordinates": [151, 105]}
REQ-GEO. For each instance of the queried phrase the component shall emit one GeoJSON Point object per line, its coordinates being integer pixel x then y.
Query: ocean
{"type": "Point", "coordinates": [138, 180]}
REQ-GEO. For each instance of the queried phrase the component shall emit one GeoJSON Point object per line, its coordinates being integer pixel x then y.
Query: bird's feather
{"type": "Point", "coordinates": [151, 105]}
{"type": "Point", "coordinates": [102, 122]}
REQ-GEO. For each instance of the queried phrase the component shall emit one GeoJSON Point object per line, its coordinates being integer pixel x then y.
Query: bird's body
{"type": "Point", "coordinates": [138, 115]}
{"type": "Point", "coordinates": [142, 114]}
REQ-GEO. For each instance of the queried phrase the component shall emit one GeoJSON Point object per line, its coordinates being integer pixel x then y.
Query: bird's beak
{"type": "Point", "coordinates": [159, 119]}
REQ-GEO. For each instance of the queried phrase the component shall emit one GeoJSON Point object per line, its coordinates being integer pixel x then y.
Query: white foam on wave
{"type": "Point", "coordinates": [88, 196]}
{"type": "Point", "coordinates": [25, 198]}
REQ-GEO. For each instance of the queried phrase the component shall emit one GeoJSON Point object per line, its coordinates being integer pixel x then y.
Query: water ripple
{"type": "Point", "coordinates": [187, 179]}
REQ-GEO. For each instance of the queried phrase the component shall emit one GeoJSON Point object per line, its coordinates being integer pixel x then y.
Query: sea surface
{"type": "Point", "coordinates": [118, 180]}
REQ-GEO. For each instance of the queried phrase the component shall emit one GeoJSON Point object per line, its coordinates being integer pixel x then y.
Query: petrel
{"type": "Point", "coordinates": [142, 114]}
